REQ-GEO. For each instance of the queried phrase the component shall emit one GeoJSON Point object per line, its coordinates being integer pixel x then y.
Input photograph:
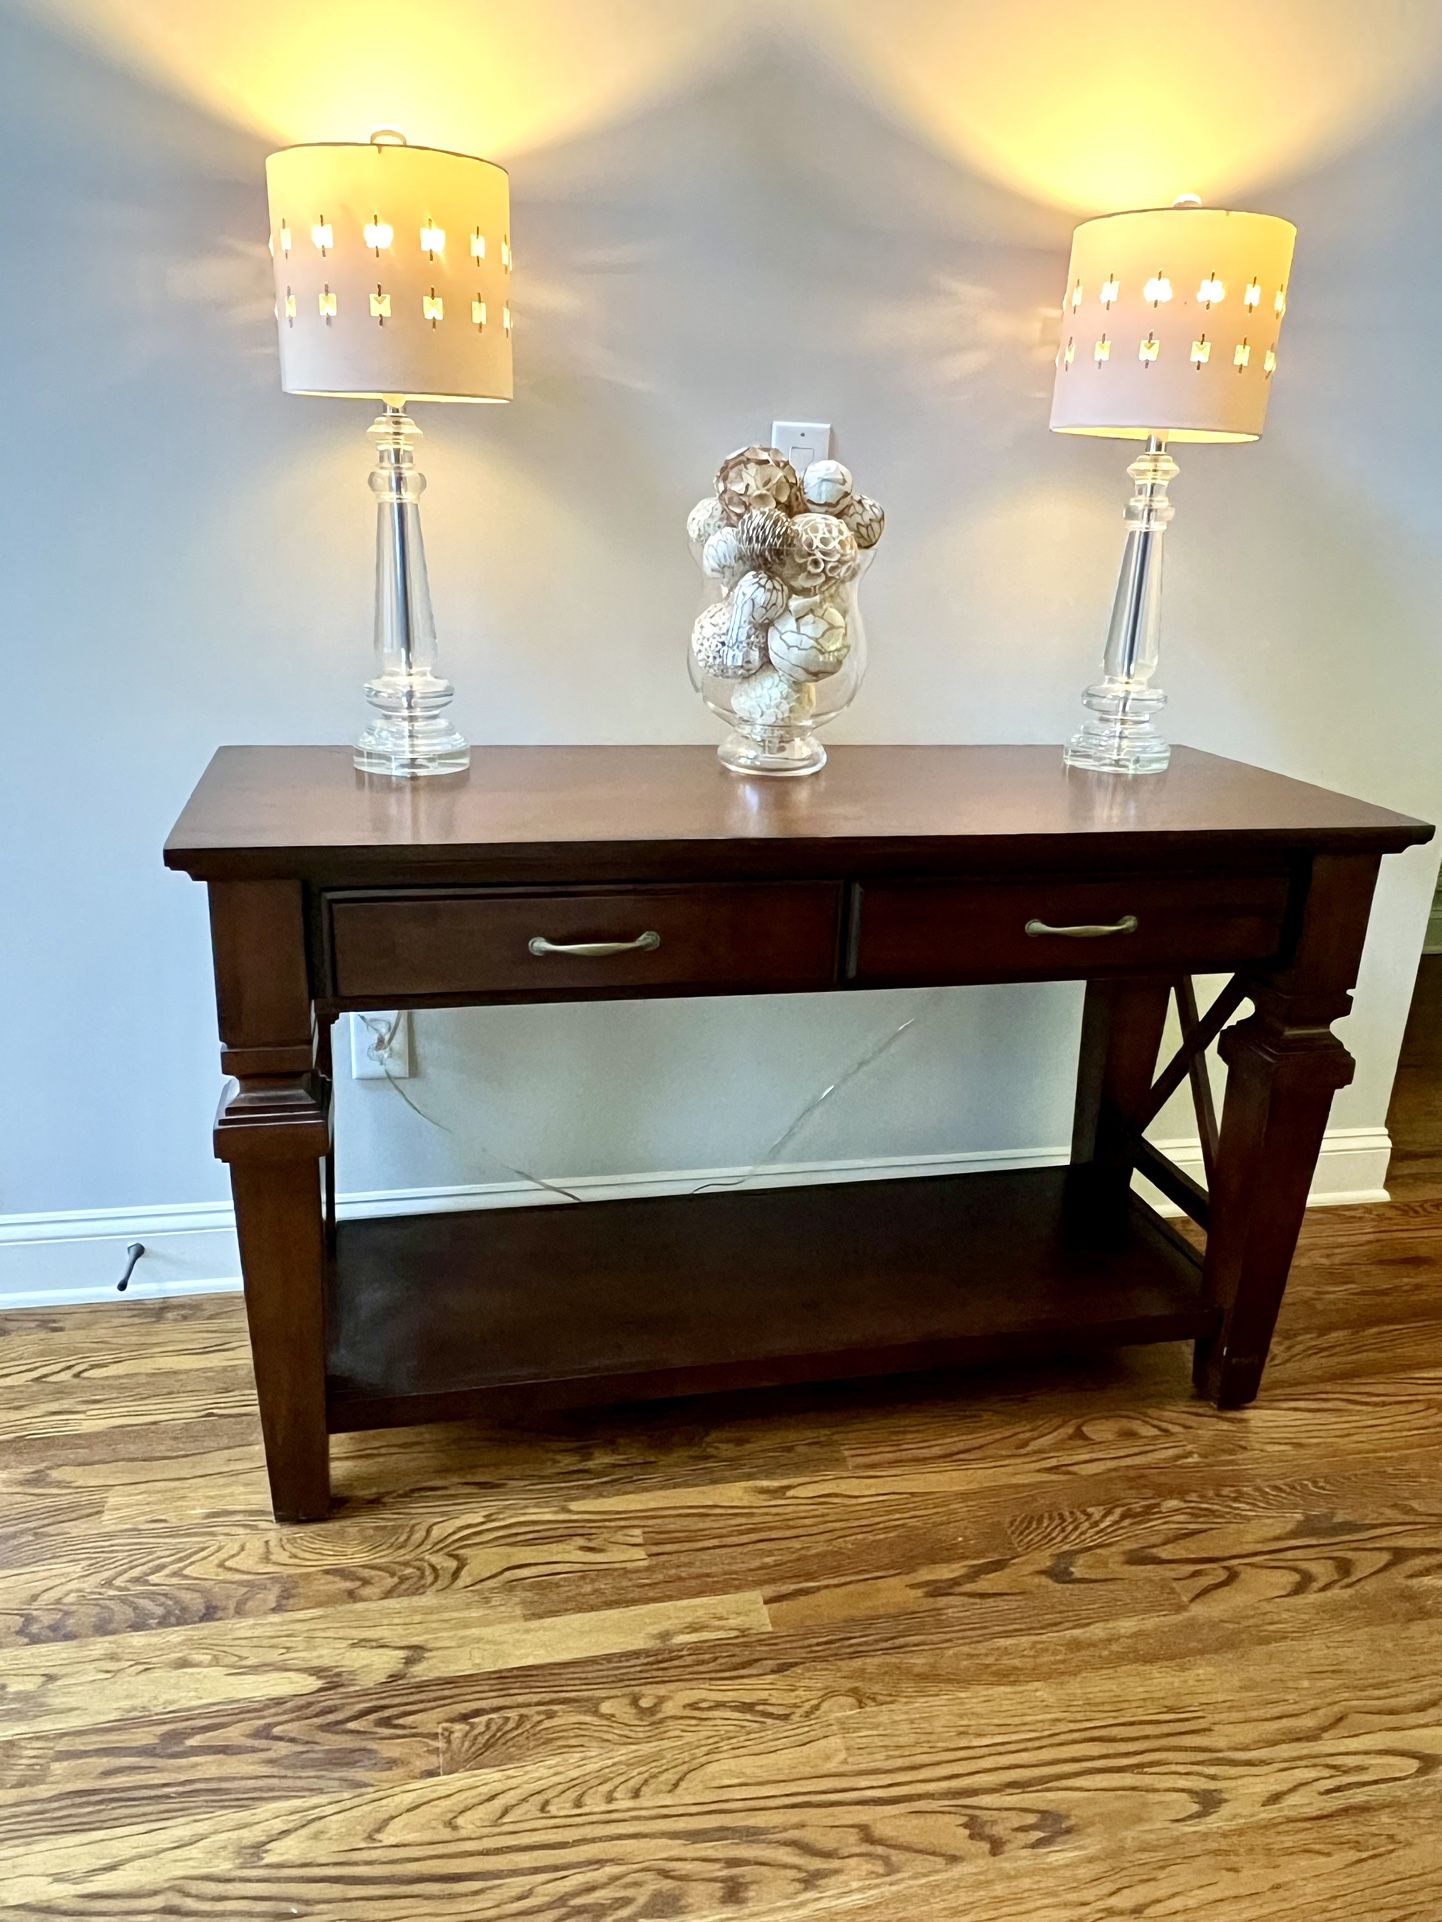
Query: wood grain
{"type": "Point", "coordinates": [301, 812]}
{"type": "Point", "coordinates": [1060, 1647]}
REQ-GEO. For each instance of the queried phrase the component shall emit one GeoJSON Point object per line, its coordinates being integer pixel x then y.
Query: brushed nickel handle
{"type": "Point", "coordinates": [1087, 930]}
{"type": "Point", "coordinates": [647, 943]}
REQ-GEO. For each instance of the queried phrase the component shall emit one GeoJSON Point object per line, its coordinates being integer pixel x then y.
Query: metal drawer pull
{"type": "Point", "coordinates": [1088, 930]}
{"type": "Point", "coordinates": [647, 943]}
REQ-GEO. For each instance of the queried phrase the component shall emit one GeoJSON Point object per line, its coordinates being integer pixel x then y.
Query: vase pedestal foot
{"type": "Point", "coordinates": [771, 753]}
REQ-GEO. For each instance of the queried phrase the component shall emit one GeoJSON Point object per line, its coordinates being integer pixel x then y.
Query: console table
{"type": "Point", "coordinates": [557, 874]}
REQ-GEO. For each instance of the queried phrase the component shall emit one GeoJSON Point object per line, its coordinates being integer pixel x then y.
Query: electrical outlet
{"type": "Point", "coordinates": [802, 441]}
{"type": "Point", "coordinates": [367, 1034]}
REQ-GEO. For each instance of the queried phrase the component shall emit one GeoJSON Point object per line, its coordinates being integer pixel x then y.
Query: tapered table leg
{"type": "Point", "coordinates": [282, 1252]}
{"type": "Point", "coordinates": [273, 1131]}
{"type": "Point", "coordinates": [1284, 1067]}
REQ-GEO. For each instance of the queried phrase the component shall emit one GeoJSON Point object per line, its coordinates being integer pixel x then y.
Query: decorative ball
{"type": "Point", "coordinates": [703, 520]}
{"type": "Point", "coordinates": [827, 487]}
{"type": "Point", "coordinates": [866, 520]}
{"type": "Point", "coordinates": [809, 640]}
{"type": "Point", "coordinates": [756, 477]}
{"type": "Point", "coordinates": [821, 552]}
{"type": "Point", "coordinates": [711, 645]}
{"type": "Point", "coordinates": [761, 535]}
{"type": "Point", "coordinates": [757, 599]}
{"type": "Point", "coordinates": [721, 556]}
{"type": "Point", "coordinates": [767, 698]}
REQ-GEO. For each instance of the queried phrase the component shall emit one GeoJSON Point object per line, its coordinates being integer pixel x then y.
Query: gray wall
{"type": "Point", "coordinates": [774, 219]}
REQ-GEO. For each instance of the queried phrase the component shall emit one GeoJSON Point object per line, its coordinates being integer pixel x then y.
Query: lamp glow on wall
{"type": "Point", "coordinates": [392, 283]}
{"type": "Point", "coordinates": [1169, 331]}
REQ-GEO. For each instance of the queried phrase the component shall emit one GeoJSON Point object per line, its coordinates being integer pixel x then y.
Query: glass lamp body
{"type": "Point", "coordinates": [775, 709]}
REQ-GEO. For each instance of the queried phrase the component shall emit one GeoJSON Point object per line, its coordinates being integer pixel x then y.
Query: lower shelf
{"type": "Point", "coordinates": [437, 1316]}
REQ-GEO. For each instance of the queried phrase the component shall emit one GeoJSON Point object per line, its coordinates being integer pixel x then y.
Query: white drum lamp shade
{"type": "Point", "coordinates": [392, 271]}
{"type": "Point", "coordinates": [1170, 322]}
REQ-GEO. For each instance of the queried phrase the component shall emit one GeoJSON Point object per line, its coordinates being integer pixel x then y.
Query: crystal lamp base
{"type": "Point", "coordinates": [409, 734]}
{"type": "Point", "coordinates": [771, 752]}
{"type": "Point", "coordinates": [1120, 735]}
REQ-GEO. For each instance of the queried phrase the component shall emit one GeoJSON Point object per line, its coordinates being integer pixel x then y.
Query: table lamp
{"type": "Point", "coordinates": [1168, 333]}
{"type": "Point", "coordinates": [392, 268]}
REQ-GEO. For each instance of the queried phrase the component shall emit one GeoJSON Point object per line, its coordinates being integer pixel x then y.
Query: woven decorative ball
{"type": "Point", "coordinates": [756, 477]}
{"type": "Point", "coordinates": [826, 487]}
{"type": "Point", "coordinates": [821, 552]}
{"type": "Point", "coordinates": [761, 536]}
{"type": "Point", "coordinates": [711, 645]}
{"type": "Point", "coordinates": [703, 520]}
{"type": "Point", "coordinates": [866, 520]}
{"type": "Point", "coordinates": [767, 698]}
{"type": "Point", "coordinates": [757, 598]}
{"type": "Point", "coordinates": [721, 556]}
{"type": "Point", "coordinates": [809, 640]}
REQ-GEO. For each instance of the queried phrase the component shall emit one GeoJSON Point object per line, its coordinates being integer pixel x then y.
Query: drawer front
{"type": "Point", "coordinates": [392, 947]}
{"type": "Point", "coordinates": [978, 930]}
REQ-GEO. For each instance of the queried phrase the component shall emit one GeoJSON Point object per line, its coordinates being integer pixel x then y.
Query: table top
{"type": "Point", "coordinates": [632, 812]}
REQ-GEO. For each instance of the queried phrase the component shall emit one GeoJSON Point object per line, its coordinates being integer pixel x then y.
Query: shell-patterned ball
{"type": "Point", "coordinates": [757, 598]}
{"type": "Point", "coordinates": [767, 698]}
{"type": "Point", "coordinates": [757, 477]}
{"type": "Point", "coordinates": [821, 552]}
{"type": "Point", "coordinates": [721, 556]}
{"type": "Point", "coordinates": [827, 487]}
{"type": "Point", "coordinates": [703, 520]}
{"type": "Point", "coordinates": [761, 536]}
{"type": "Point", "coordinates": [711, 647]}
{"type": "Point", "coordinates": [865, 519]}
{"type": "Point", "coordinates": [809, 640]}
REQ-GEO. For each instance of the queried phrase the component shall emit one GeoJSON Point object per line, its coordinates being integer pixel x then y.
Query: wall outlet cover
{"type": "Point", "coordinates": [802, 441]}
{"type": "Point", "coordinates": [366, 1031]}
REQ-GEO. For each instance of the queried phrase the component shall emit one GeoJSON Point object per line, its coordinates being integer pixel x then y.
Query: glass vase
{"type": "Point", "coordinates": [776, 659]}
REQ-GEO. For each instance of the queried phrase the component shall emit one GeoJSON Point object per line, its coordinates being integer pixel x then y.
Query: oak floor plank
{"type": "Point", "coordinates": [244, 1753]}
{"type": "Point", "coordinates": [70, 1684]}
{"type": "Point", "coordinates": [102, 1581]}
{"type": "Point", "coordinates": [679, 1830]}
{"type": "Point", "coordinates": [104, 1340]}
{"type": "Point", "coordinates": [88, 1406]}
{"type": "Point", "coordinates": [213, 1470]}
{"type": "Point", "coordinates": [1383, 1864]}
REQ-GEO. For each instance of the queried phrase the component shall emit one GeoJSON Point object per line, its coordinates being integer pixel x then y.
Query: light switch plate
{"type": "Point", "coordinates": [802, 441]}
{"type": "Point", "coordinates": [365, 1030]}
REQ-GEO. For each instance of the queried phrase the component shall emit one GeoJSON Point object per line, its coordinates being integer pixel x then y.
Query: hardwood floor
{"type": "Point", "coordinates": [1007, 1649]}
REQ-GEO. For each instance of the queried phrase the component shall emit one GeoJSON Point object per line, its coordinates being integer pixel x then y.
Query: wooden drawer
{"type": "Point", "coordinates": [985, 930]}
{"type": "Point", "coordinates": [392, 947]}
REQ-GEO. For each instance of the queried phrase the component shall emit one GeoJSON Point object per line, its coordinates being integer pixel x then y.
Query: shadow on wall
{"type": "Point", "coordinates": [711, 228]}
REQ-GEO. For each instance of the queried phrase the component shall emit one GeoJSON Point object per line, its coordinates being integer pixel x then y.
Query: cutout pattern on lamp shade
{"type": "Point", "coordinates": [1194, 299]}
{"type": "Point", "coordinates": [409, 245]}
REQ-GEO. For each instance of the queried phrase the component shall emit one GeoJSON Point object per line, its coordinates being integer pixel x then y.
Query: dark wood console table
{"type": "Point", "coordinates": [893, 867]}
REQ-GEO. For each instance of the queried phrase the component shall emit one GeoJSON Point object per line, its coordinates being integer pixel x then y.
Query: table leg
{"type": "Point", "coordinates": [282, 1253]}
{"type": "Point", "coordinates": [273, 1131]}
{"type": "Point", "coordinates": [1284, 1067]}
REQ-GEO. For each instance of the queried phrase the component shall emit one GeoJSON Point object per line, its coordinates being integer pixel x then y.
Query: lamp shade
{"type": "Point", "coordinates": [392, 271]}
{"type": "Point", "coordinates": [1170, 322]}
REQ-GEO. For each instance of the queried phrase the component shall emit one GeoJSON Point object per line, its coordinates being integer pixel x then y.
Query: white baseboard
{"type": "Point", "coordinates": [47, 1260]}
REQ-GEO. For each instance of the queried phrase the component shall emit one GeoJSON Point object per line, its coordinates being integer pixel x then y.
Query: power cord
{"type": "Point", "coordinates": [867, 1058]}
